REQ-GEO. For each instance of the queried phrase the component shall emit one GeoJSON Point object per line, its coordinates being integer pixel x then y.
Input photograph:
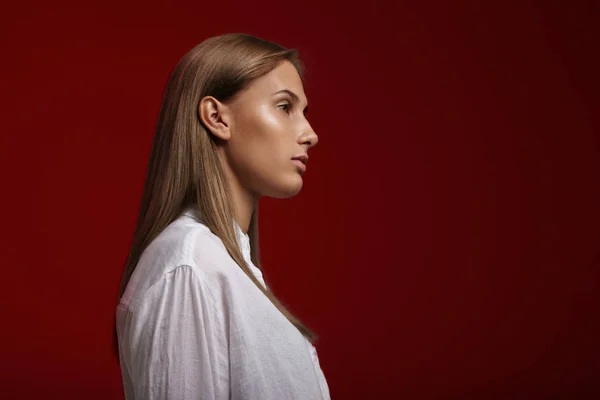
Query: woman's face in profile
{"type": "Point", "coordinates": [268, 130]}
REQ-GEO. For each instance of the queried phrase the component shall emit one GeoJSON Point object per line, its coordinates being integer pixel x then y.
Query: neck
{"type": "Point", "coordinates": [244, 202]}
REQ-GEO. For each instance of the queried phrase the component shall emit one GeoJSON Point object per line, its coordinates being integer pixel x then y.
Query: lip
{"type": "Point", "coordinates": [301, 161]}
{"type": "Point", "coordinates": [302, 158]}
{"type": "Point", "coordinates": [301, 166]}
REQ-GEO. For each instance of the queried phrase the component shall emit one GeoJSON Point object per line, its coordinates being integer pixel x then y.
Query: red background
{"type": "Point", "coordinates": [446, 242]}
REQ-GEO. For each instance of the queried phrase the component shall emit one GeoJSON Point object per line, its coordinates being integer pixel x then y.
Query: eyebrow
{"type": "Point", "coordinates": [293, 95]}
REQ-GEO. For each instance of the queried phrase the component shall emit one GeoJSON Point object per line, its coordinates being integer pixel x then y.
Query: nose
{"type": "Point", "coordinates": [308, 138]}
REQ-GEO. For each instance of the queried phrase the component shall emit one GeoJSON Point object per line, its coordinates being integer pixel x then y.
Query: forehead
{"type": "Point", "coordinates": [284, 76]}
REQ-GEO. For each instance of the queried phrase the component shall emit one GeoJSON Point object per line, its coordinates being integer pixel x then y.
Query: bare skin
{"type": "Point", "coordinates": [262, 131]}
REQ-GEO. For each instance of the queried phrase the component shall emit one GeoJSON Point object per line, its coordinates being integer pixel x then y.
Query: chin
{"type": "Point", "coordinates": [286, 190]}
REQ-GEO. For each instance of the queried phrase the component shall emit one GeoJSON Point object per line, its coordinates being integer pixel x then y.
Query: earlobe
{"type": "Point", "coordinates": [210, 111]}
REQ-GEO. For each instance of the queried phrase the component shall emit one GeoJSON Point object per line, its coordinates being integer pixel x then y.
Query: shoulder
{"type": "Point", "coordinates": [179, 285]}
{"type": "Point", "coordinates": [188, 242]}
{"type": "Point", "coordinates": [185, 244]}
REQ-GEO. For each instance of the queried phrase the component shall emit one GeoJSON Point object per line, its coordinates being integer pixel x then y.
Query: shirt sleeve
{"type": "Point", "coordinates": [177, 348]}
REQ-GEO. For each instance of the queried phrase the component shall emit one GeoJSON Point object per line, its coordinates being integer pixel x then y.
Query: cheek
{"type": "Point", "coordinates": [269, 154]}
{"type": "Point", "coordinates": [264, 140]}
{"type": "Point", "coordinates": [260, 147]}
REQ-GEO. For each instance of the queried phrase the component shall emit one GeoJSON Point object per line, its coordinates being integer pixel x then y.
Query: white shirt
{"type": "Point", "coordinates": [192, 326]}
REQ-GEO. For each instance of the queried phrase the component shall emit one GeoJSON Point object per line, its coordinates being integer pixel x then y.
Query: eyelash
{"type": "Point", "coordinates": [289, 105]}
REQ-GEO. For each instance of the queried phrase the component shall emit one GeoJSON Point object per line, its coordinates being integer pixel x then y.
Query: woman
{"type": "Point", "coordinates": [195, 319]}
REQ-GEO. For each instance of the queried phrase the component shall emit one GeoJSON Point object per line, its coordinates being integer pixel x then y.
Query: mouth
{"type": "Point", "coordinates": [300, 165]}
{"type": "Point", "coordinates": [300, 161]}
{"type": "Point", "coordinates": [303, 158]}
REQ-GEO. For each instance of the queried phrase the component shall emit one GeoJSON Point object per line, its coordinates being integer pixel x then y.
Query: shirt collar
{"type": "Point", "coordinates": [243, 238]}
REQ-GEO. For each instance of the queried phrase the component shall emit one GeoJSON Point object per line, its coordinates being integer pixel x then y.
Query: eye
{"type": "Point", "coordinates": [287, 106]}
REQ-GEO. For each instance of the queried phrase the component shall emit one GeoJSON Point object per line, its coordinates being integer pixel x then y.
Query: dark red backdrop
{"type": "Point", "coordinates": [446, 243]}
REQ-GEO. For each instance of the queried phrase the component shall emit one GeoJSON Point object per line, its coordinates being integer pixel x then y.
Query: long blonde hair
{"type": "Point", "coordinates": [185, 169]}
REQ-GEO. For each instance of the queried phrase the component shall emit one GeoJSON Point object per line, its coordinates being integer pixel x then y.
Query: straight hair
{"type": "Point", "coordinates": [185, 169]}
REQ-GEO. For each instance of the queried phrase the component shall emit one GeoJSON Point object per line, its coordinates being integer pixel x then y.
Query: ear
{"type": "Point", "coordinates": [213, 115]}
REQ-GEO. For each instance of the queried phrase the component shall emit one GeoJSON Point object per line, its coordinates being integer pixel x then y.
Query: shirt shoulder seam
{"type": "Point", "coordinates": [148, 293]}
